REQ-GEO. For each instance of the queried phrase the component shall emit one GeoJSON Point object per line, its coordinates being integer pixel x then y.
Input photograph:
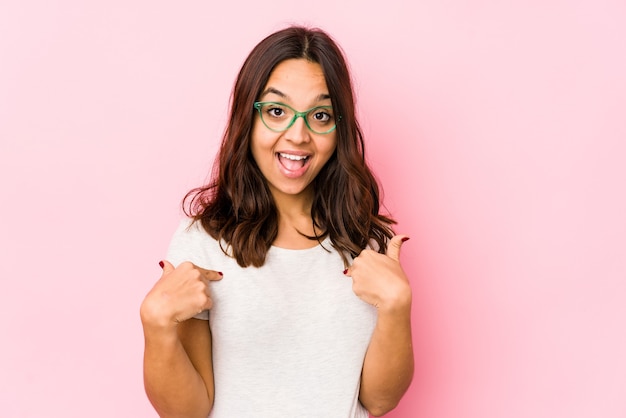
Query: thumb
{"type": "Point", "coordinates": [166, 266]}
{"type": "Point", "coordinates": [393, 246]}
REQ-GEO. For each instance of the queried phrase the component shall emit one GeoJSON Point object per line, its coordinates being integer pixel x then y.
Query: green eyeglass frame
{"type": "Point", "coordinates": [259, 105]}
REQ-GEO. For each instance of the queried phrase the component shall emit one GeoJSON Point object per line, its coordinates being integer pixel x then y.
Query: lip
{"type": "Point", "coordinates": [293, 174]}
{"type": "Point", "coordinates": [297, 153]}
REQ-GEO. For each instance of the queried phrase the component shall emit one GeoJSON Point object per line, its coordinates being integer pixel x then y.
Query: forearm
{"type": "Point", "coordinates": [388, 365]}
{"type": "Point", "coordinates": [173, 385]}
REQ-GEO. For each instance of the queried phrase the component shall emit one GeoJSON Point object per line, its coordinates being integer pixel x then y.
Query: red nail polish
{"type": "Point", "coordinates": [220, 273]}
{"type": "Point", "coordinates": [405, 239]}
{"type": "Point", "coordinates": [162, 264]}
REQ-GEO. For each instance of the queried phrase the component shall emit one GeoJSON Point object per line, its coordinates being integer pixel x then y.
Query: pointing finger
{"type": "Point", "coordinates": [211, 275]}
{"type": "Point", "coordinates": [206, 273]}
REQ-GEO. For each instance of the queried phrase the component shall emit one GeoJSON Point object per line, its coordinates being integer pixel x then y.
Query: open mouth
{"type": "Point", "coordinates": [292, 162]}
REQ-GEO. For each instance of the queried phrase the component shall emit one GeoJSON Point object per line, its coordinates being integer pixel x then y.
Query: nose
{"type": "Point", "coordinates": [298, 132]}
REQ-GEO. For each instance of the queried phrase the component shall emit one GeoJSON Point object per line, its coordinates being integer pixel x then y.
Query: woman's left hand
{"type": "Point", "coordinates": [379, 280]}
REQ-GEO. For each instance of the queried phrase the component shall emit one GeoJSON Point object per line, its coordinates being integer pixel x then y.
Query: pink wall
{"type": "Point", "coordinates": [498, 130]}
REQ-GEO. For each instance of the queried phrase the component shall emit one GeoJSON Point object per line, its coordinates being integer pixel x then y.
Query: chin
{"type": "Point", "coordinates": [290, 190]}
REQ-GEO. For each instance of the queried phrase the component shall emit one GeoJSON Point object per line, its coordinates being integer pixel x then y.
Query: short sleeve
{"type": "Point", "coordinates": [186, 245]}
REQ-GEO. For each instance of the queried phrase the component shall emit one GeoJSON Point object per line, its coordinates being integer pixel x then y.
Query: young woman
{"type": "Point", "coordinates": [283, 295]}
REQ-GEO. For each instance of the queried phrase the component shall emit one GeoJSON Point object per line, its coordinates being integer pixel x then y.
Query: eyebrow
{"type": "Point", "coordinates": [279, 93]}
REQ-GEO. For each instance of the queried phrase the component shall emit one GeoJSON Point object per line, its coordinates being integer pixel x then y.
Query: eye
{"type": "Point", "coordinates": [320, 115]}
{"type": "Point", "coordinates": [275, 111]}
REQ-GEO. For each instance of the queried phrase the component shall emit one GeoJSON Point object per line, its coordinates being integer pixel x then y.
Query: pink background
{"type": "Point", "coordinates": [497, 129]}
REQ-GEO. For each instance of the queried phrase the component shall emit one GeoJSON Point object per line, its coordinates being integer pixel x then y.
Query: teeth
{"type": "Point", "coordinates": [293, 157]}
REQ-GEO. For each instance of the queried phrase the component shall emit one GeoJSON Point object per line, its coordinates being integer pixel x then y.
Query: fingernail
{"type": "Point", "coordinates": [220, 273]}
{"type": "Point", "coordinates": [345, 271]}
{"type": "Point", "coordinates": [405, 239]}
{"type": "Point", "coordinates": [162, 264]}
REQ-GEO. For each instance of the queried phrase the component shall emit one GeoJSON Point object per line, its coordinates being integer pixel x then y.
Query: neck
{"type": "Point", "coordinates": [294, 219]}
{"type": "Point", "coordinates": [294, 206]}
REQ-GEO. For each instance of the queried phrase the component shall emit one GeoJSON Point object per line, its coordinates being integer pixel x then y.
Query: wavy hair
{"type": "Point", "coordinates": [236, 206]}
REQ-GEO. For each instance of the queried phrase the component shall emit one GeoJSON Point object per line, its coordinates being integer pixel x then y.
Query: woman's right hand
{"type": "Point", "coordinates": [180, 293]}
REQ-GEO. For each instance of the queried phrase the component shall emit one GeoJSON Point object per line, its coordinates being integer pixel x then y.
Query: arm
{"type": "Point", "coordinates": [178, 371]}
{"type": "Point", "coordinates": [388, 366]}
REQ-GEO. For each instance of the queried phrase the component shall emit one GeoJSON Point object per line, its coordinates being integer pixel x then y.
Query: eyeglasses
{"type": "Point", "coordinates": [279, 117]}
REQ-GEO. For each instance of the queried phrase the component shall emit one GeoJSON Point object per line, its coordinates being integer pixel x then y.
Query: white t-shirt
{"type": "Point", "coordinates": [289, 338]}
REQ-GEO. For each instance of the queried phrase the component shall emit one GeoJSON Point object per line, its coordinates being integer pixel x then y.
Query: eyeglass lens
{"type": "Point", "coordinates": [280, 117]}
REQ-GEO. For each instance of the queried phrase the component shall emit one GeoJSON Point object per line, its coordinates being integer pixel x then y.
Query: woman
{"type": "Point", "coordinates": [255, 313]}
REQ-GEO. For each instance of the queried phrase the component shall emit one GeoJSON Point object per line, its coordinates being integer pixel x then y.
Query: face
{"type": "Point", "coordinates": [291, 159]}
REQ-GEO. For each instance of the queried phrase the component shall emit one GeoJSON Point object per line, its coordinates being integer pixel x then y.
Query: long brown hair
{"type": "Point", "coordinates": [237, 207]}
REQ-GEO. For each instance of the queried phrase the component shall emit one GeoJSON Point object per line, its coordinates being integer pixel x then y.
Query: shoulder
{"type": "Point", "coordinates": [189, 232]}
{"type": "Point", "coordinates": [373, 245]}
{"type": "Point", "coordinates": [190, 242]}
{"type": "Point", "coordinates": [188, 227]}
{"type": "Point", "coordinates": [380, 239]}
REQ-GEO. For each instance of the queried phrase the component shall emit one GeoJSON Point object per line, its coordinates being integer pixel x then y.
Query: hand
{"type": "Point", "coordinates": [180, 293]}
{"type": "Point", "coordinates": [379, 280]}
